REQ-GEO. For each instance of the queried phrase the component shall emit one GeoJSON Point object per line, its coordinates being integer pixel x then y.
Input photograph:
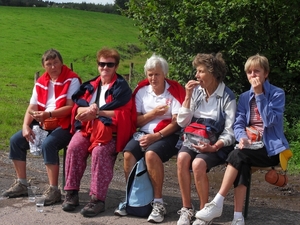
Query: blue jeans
{"type": "Point", "coordinates": [55, 141]}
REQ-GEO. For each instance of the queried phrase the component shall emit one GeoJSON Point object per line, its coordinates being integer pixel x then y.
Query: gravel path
{"type": "Point", "coordinates": [269, 205]}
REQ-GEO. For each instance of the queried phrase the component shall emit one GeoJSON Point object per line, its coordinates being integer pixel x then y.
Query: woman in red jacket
{"type": "Point", "coordinates": [102, 127]}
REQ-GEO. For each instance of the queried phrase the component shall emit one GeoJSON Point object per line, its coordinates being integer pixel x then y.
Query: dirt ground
{"type": "Point", "coordinates": [268, 204]}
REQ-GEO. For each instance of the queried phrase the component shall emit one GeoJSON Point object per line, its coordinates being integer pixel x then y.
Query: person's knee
{"type": "Point", "coordinates": [18, 147]}
{"type": "Point", "coordinates": [13, 139]}
{"type": "Point", "coordinates": [129, 161]}
{"type": "Point", "coordinates": [128, 156]}
{"type": "Point", "coordinates": [152, 158]}
{"type": "Point", "coordinates": [234, 153]}
{"type": "Point", "coordinates": [16, 138]}
{"type": "Point", "coordinates": [199, 166]}
{"type": "Point", "coordinates": [50, 155]}
{"type": "Point", "coordinates": [183, 160]}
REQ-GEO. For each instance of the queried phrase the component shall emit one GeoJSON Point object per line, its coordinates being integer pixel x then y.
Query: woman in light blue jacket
{"type": "Point", "coordinates": [260, 109]}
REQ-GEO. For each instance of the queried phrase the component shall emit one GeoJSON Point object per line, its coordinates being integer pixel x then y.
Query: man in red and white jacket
{"type": "Point", "coordinates": [50, 102]}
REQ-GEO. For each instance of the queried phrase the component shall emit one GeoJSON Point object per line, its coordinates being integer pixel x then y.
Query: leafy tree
{"type": "Point", "coordinates": [179, 30]}
{"type": "Point", "coordinates": [121, 4]}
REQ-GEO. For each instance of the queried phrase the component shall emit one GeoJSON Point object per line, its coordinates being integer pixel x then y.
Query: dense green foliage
{"type": "Point", "coordinates": [237, 28]}
{"type": "Point", "coordinates": [26, 33]}
{"type": "Point", "coordinates": [179, 30]}
{"type": "Point", "coordinates": [121, 4]}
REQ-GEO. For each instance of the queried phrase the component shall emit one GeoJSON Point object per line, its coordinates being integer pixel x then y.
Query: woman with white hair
{"type": "Point", "coordinates": [157, 101]}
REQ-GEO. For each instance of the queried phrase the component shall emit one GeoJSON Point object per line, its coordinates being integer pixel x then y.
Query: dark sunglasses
{"type": "Point", "coordinates": [108, 64]}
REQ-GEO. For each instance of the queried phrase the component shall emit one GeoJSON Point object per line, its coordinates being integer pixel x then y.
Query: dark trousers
{"type": "Point", "coordinates": [243, 159]}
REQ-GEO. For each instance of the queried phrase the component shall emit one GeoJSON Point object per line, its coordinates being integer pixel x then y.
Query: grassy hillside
{"type": "Point", "coordinates": [27, 32]}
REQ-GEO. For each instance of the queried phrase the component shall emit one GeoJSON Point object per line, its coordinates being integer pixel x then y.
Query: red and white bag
{"type": "Point", "coordinates": [193, 134]}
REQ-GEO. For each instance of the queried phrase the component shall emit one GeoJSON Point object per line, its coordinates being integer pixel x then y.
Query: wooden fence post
{"type": "Point", "coordinates": [130, 72]}
{"type": "Point", "coordinates": [36, 76]}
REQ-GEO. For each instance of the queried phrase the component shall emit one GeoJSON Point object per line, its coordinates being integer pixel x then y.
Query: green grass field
{"type": "Point", "coordinates": [26, 33]}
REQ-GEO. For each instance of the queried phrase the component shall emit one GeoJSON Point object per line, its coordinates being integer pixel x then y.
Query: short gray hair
{"type": "Point", "coordinates": [51, 54]}
{"type": "Point", "coordinates": [154, 61]}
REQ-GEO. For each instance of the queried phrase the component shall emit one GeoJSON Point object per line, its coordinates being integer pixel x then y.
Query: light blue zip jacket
{"type": "Point", "coordinates": [270, 105]}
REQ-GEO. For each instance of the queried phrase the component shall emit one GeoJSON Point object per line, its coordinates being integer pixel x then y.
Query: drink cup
{"type": "Point", "coordinates": [31, 193]}
{"type": "Point", "coordinates": [39, 202]}
{"type": "Point", "coordinates": [137, 136]}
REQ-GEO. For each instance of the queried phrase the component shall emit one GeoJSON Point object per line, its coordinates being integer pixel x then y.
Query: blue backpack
{"type": "Point", "coordinates": [139, 191]}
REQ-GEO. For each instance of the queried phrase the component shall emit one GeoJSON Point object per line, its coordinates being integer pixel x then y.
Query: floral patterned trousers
{"type": "Point", "coordinates": [103, 158]}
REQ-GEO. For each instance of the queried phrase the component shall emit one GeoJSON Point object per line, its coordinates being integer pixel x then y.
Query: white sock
{"type": "Point", "coordinates": [158, 200]}
{"type": "Point", "coordinates": [237, 215]}
{"type": "Point", "coordinates": [219, 200]}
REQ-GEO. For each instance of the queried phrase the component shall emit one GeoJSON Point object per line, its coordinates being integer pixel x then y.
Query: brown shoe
{"type": "Point", "coordinates": [17, 189]}
{"type": "Point", "coordinates": [52, 196]}
{"type": "Point", "coordinates": [71, 201]}
{"type": "Point", "coordinates": [93, 208]}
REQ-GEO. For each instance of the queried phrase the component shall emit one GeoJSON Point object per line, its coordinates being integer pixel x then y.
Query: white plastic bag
{"type": "Point", "coordinates": [190, 139]}
{"type": "Point", "coordinates": [254, 145]}
{"type": "Point", "coordinates": [40, 135]}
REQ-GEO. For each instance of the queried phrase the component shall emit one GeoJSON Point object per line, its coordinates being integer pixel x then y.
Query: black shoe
{"type": "Point", "coordinates": [93, 208]}
{"type": "Point", "coordinates": [71, 201]}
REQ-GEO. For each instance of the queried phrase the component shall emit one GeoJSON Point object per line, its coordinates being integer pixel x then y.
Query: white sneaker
{"type": "Point", "coordinates": [239, 221]}
{"type": "Point", "coordinates": [185, 216]}
{"type": "Point", "coordinates": [209, 212]}
{"type": "Point", "coordinates": [201, 222]}
{"type": "Point", "coordinates": [121, 210]}
{"type": "Point", "coordinates": [158, 212]}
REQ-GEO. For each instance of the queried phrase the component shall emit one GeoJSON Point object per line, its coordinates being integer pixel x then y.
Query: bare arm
{"type": "Point", "coordinates": [171, 128]}
{"type": "Point", "coordinates": [40, 116]}
{"type": "Point", "coordinates": [189, 88]}
{"type": "Point", "coordinates": [91, 112]}
{"type": "Point", "coordinates": [143, 119]}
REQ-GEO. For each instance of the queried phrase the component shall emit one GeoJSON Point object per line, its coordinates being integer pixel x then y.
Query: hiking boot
{"type": "Point", "coordinates": [52, 196]}
{"type": "Point", "coordinates": [209, 212]}
{"type": "Point", "coordinates": [93, 208]}
{"type": "Point", "coordinates": [158, 212]}
{"type": "Point", "coordinates": [185, 216]}
{"type": "Point", "coordinates": [71, 201]}
{"type": "Point", "coordinates": [121, 210]}
{"type": "Point", "coordinates": [239, 221]}
{"type": "Point", "coordinates": [17, 189]}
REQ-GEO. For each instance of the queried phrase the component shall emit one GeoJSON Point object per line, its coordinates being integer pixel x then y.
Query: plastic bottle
{"type": "Point", "coordinates": [137, 136]}
{"type": "Point", "coordinates": [35, 148]}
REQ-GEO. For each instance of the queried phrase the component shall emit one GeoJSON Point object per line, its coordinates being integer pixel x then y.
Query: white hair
{"type": "Point", "coordinates": [154, 61]}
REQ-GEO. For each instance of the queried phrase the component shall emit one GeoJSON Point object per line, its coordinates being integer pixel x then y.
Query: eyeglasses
{"type": "Point", "coordinates": [108, 64]}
